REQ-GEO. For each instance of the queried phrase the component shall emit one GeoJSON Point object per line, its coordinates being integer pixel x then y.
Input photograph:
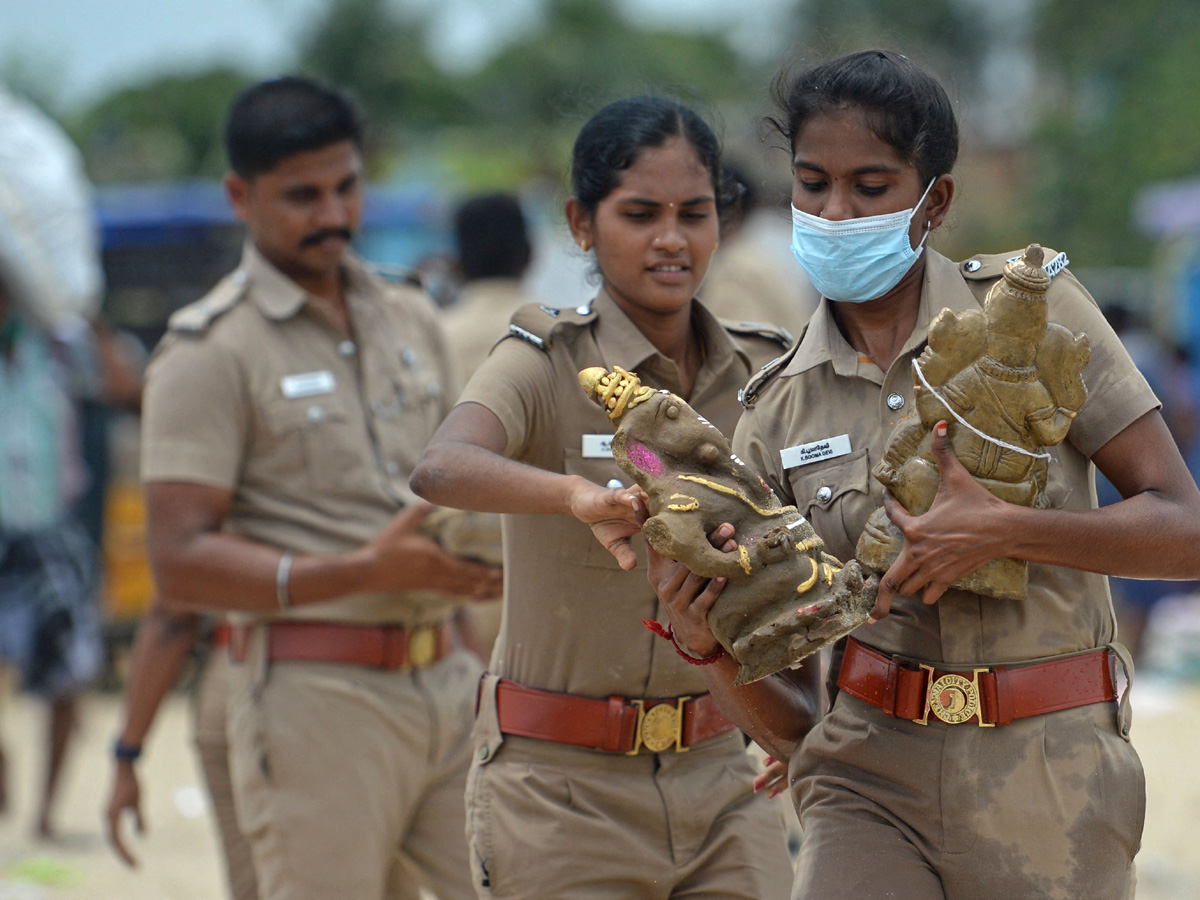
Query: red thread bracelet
{"type": "Point", "coordinates": [687, 657]}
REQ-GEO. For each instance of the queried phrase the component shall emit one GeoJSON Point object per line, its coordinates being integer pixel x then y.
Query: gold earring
{"type": "Point", "coordinates": [584, 246]}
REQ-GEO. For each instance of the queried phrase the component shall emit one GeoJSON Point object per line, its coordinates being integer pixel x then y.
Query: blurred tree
{"type": "Point", "coordinates": [376, 50]}
{"type": "Point", "coordinates": [167, 127]}
{"type": "Point", "coordinates": [1123, 112]}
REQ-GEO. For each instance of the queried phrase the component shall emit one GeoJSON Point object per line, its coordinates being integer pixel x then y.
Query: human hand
{"type": "Point", "coordinates": [689, 597]}
{"type": "Point", "coordinates": [403, 559]}
{"type": "Point", "coordinates": [612, 514]}
{"type": "Point", "coordinates": [773, 778]}
{"type": "Point", "coordinates": [961, 531]}
{"type": "Point", "coordinates": [126, 795]}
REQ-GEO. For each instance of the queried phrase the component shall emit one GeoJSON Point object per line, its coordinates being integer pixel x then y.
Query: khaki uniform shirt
{"type": "Point", "coordinates": [572, 621]}
{"type": "Point", "coordinates": [255, 390]}
{"type": "Point", "coordinates": [479, 319]}
{"type": "Point", "coordinates": [827, 390]}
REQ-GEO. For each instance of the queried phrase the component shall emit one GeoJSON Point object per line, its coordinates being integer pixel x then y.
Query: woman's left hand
{"type": "Point", "coordinates": [688, 597]}
{"type": "Point", "coordinates": [962, 530]}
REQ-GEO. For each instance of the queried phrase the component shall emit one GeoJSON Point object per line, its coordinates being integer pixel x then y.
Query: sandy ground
{"type": "Point", "coordinates": [179, 854]}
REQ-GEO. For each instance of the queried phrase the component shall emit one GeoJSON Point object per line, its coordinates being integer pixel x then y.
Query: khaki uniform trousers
{"type": "Point", "coordinates": [547, 820]}
{"type": "Point", "coordinates": [1051, 806]}
{"type": "Point", "coordinates": [210, 714]}
{"type": "Point", "coordinates": [349, 779]}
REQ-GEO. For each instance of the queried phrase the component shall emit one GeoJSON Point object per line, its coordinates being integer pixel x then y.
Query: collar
{"type": "Point", "coordinates": [943, 288]}
{"type": "Point", "coordinates": [278, 297]}
{"type": "Point", "coordinates": [623, 344]}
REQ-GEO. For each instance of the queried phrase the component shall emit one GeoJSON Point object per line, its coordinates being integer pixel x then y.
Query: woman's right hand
{"type": "Point", "coordinates": [614, 515]}
{"type": "Point", "coordinates": [688, 597]}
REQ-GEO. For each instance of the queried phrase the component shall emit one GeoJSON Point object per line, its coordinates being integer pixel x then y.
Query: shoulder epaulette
{"type": "Point", "coordinates": [537, 324]}
{"type": "Point", "coordinates": [760, 379]}
{"type": "Point", "coordinates": [764, 330]}
{"type": "Point", "coordinates": [197, 317]}
{"type": "Point", "coordinates": [991, 265]}
{"type": "Point", "coordinates": [393, 274]}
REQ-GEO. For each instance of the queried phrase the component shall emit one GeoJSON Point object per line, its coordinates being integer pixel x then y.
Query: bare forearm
{"type": "Point", "coordinates": [466, 476]}
{"type": "Point", "coordinates": [776, 712]}
{"type": "Point", "coordinates": [1146, 536]}
{"type": "Point", "coordinates": [160, 649]}
{"type": "Point", "coordinates": [224, 572]}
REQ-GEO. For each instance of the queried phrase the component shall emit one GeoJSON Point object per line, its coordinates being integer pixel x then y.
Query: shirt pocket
{"type": "Point", "coordinates": [835, 497]}
{"type": "Point", "coordinates": [601, 471]}
{"type": "Point", "coordinates": [315, 437]}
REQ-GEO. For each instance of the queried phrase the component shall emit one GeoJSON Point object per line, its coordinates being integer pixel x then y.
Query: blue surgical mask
{"type": "Point", "coordinates": [856, 260]}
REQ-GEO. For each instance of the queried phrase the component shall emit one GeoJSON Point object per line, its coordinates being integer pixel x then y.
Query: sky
{"type": "Point", "coordinates": [85, 48]}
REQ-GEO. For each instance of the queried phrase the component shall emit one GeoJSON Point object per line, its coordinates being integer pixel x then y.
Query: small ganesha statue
{"type": "Point", "coordinates": [1008, 384]}
{"type": "Point", "coordinates": [786, 597]}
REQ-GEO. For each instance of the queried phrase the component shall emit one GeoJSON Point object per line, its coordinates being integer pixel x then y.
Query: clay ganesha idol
{"type": "Point", "coordinates": [786, 597]}
{"type": "Point", "coordinates": [1008, 384]}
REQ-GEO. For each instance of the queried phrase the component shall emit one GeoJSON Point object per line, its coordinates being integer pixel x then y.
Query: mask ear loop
{"type": "Point", "coordinates": [928, 224]}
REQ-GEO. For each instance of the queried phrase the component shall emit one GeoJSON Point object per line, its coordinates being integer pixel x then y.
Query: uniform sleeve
{"type": "Point", "coordinates": [1118, 394]}
{"type": "Point", "coordinates": [516, 382]}
{"type": "Point", "coordinates": [194, 415]}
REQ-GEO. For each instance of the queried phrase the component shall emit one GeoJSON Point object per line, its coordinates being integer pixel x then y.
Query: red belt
{"type": "Point", "coordinates": [372, 646]}
{"type": "Point", "coordinates": [618, 724]}
{"type": "Point", "coordinates": [993, 695]}
{"type": "Point", "coordinates": [221, 635]}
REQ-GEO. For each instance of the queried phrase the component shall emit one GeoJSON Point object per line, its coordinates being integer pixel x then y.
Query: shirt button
{"type": "Point", "coordinates": [895, 401]}
{"type": "Point", "coordinates": [409, 356]}
{"type": "Point", "coordinates": [614, 484]}
{"type": "Point", "coordinates": [824, 493]}
{"type": "Point", "coordinates": [483, 753]}
{"type": "Point", "coordinates": [972, 265]}
{"type": "Point", "coordinates": [315, 414]}
{"type": "Point", "coordinates": [392, 467]}
{"type": "Point", "coordinates": [347, 348]}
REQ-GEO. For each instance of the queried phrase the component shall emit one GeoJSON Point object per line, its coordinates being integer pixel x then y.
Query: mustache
{"type": "Point", "coordinates": [317, 236]}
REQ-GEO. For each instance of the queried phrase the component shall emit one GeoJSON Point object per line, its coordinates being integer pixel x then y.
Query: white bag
{"type": "Point", "coordinates": [49, 262]}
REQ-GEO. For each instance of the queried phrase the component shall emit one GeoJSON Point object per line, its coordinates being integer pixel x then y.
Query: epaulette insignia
{"type": "Point", "coordinates": [197, 317]}
{"type": "Point", "coordinates": [749, 394]}
{"type": "Point", "coordinates": [765, 330]}
{"type": "Point", "coordinates": [991, 266]}
{"type": "Point", "coordinates": [537, 324]}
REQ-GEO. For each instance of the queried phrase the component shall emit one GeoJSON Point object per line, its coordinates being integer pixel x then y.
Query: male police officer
{"type": "Point", "coordinates": [283, 414]}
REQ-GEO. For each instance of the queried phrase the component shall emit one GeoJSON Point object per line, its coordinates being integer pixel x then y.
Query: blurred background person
{"type": "Point", "coordinates": [493, 255]}
{"type": "Point", "coordinates": [753, 277]}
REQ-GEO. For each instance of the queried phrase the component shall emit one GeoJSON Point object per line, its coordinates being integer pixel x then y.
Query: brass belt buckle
{"type": "Point", "coordinates": [953, 698]}
{"type": "Point", "coordinates": [659, 727]}
{"type": "Point", "coordinates": [422, 647]}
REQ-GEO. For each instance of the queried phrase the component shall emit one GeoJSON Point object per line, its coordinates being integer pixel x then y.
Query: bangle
{"type": "Point", "coordinates": [282, 574]}
{"type": "Point", "coordinates": [669, 634]}
{"type": "Point", "coordinates": [125, 752]}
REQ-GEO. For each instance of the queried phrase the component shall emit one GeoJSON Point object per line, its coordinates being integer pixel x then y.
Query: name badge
{"type": "Point", "coordinates": [815, 451]}
{"type": "Point", "coordinates": [597, 446]}
{"type": "Point", "coordinates": [308, 384]}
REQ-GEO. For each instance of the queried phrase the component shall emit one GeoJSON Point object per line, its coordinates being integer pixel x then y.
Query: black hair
{"type": "Point", "coordinates": [611, 141]}
{"type": "Point", "coordinates": [275, 119]}
{"type": "Point", "coordinates": [904, 105]}
{"type": "Point", "coordinates": [492, 239]}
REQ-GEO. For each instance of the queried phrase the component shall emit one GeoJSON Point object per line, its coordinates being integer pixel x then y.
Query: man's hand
{"type": "Point", "coordinates": [403, 559]}
{"type": "Point", "coordinates": [612, 514]}
{"type": "Point", "coordinates": [962, 530]}
{"type": "Point", "coordinates": [126, 795]}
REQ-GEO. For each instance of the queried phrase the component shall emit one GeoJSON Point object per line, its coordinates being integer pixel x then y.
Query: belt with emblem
{"type": "Point", "coordinates": [985, 695]}
{"type": "Point", "coordinates": [616, 724]}
{"type": "Point", "coordinates": [389, 647]}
